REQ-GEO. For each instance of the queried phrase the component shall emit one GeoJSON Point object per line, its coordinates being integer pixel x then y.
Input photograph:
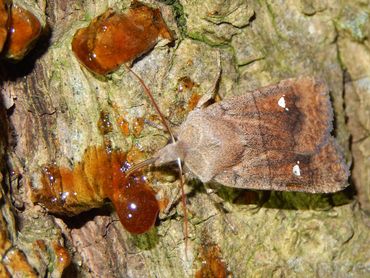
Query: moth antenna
{"type": "Point", "coordinates": [152, 100]}
{"type": "Point", "coordinates": [152, 160]}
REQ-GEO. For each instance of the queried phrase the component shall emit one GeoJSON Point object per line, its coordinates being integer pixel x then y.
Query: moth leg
{"type": "Point", "coordinates": [155, 125]}
{"type": "Point", "coordinates": [219, 203]}
{"type": "Point", "coordinates": [206, 99]}
{"type": "Point", "coordinates": [175, 130]}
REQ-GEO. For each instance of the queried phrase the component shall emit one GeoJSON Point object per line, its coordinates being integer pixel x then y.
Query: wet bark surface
{"type": "Point", "coordinates": [52, 110]}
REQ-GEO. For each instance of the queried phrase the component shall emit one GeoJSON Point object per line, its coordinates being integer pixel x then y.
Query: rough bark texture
{"type": "Point", "coordinates": [50, 110]}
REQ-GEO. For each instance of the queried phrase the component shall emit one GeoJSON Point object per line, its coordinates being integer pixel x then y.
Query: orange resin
{"type": "Point", "coordinates": [123, 126]}
{"type": "Point", "coordinates": [136, 205]}
{"type": "Point", "coordinates": [104, 124]}
{"type": "Point", "coordinates": [24, 30]}
{"type": "Point", "coordinates": [100, 175]}
{"type": "Point", "coordinates": [212, 263]}
{"type": "Point", "coordinates": [112, 39]}
{"type": "Point", "coordinates": [4, 16]}
{"type": "Point", "coordinates": [138, 126]}
{"type": "Point", "coordinates": [62, 259]}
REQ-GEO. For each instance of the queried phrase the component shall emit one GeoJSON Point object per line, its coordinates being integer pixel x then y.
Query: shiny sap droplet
{"type": "Point", "coordinates": [4, 16]}
{"type": "Point", "coordinates": [137, 207]}
{"type": "Point", "coordinates": [64, 196]}
{"type": "Point", "coordinates": [100, 175]}
{"type": "Point", "coordinates": [24, 30]}
{"type": "Point", "coordinates": [113, 38]}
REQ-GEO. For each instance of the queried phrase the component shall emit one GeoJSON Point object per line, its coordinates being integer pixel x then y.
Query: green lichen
{"type": "Point", "coordinates": [355, 22]}
{"type": "Point", "coordinates": [179, 15]}
{"type": "Point", "coordinates": [147, 240]}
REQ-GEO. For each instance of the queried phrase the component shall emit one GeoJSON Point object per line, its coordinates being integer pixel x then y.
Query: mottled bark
{"type": "Point", "coordinates": [51, 108]}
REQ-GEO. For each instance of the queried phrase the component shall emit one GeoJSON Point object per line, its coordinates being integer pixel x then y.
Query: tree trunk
{"type": "Point", "coordinates": [55, 114]}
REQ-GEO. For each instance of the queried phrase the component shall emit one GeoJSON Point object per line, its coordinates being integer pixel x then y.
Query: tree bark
{"type": "Point", "coordinates": [51, 113]}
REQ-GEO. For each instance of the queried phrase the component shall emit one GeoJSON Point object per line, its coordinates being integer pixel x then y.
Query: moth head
{"type": "Point", "coordinates": [169, 153]}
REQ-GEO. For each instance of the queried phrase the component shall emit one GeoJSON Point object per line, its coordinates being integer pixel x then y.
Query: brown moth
{"type": "Point", "coordinates": [273, 138]}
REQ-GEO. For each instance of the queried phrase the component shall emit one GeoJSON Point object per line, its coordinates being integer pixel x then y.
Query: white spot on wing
{"type": "Point", "coordinates": [282, 103]}
{"type": "Point", "coordinates": [296, 170]}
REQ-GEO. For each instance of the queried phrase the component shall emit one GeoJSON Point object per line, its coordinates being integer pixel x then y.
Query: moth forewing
{"type": "Point", "coordinates": [274, 138]}
{"type": "Point", "coordinates": [321, 172]}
